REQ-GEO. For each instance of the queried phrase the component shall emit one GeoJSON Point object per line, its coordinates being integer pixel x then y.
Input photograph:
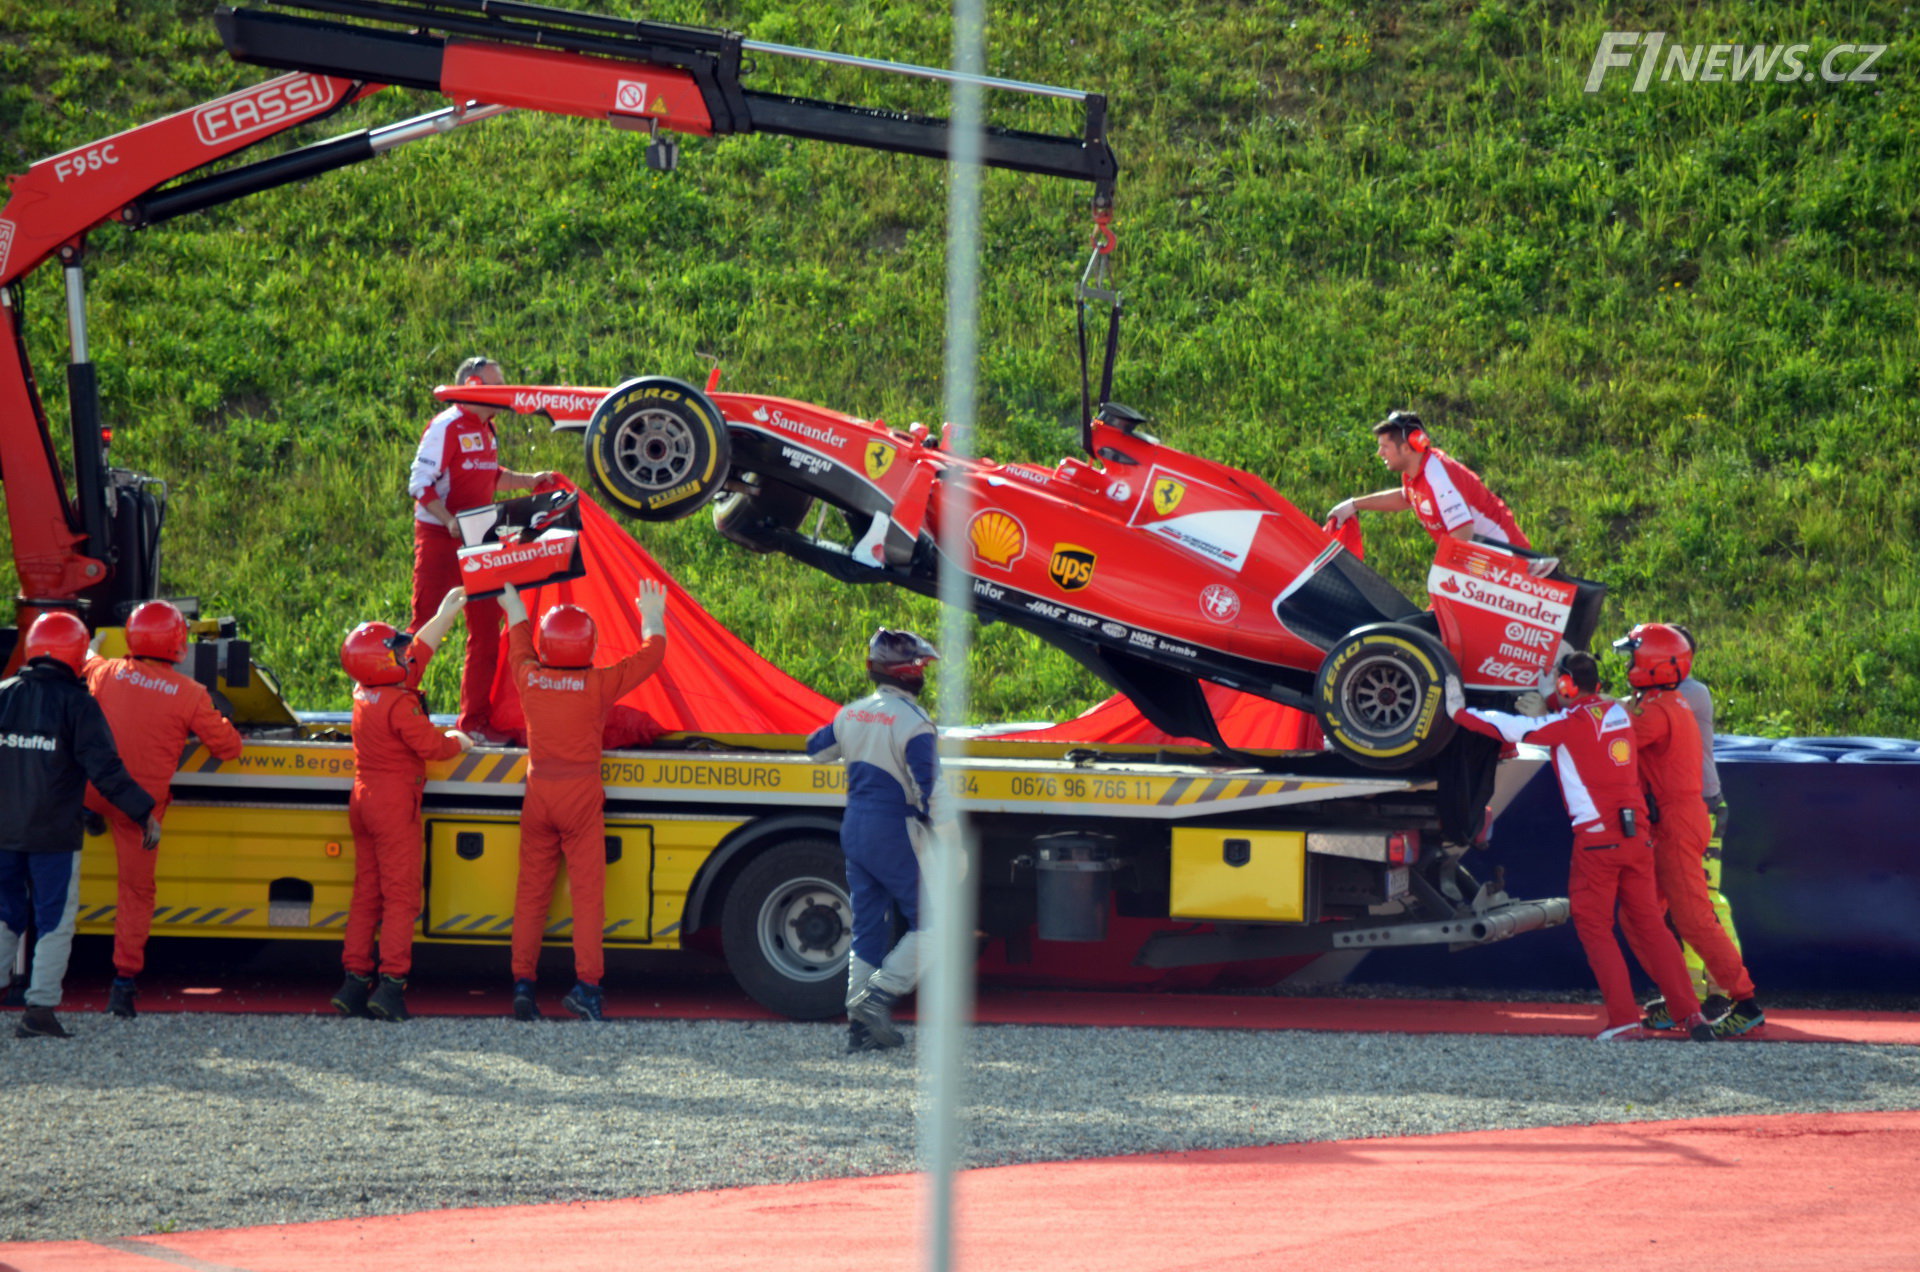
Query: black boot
{"type": "Point", "coordinates": [120, 997]}
{"type": "Point", "coordinates": [389, 1001]}
{"type": "Point", "coordinates": [525, 1005]}
{"type": "Point", "coordinates": [351, 998]}
{"type": "Point", "coordinates": [874, 1009]}
{"type": "Point", "coordinates": [40, 1022]}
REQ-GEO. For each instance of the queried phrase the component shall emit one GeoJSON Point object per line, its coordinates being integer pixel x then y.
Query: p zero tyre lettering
{"type": "Point", "coordinates": [1379, 695]}
{"type": "Point", "coordinates": [658, 449]}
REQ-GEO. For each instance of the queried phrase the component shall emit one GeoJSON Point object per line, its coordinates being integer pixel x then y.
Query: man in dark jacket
{"type": "Point", "coordinates": [53, 741]}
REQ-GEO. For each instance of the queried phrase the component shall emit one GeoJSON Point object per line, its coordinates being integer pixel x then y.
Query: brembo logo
{"type": "Point", "coordinates": [259, 107]}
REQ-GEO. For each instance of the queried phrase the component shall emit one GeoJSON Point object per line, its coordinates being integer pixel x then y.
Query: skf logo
{"type": "Point", "coordinates": [1167, 494]}
{"type": "Point", "coordinates": [1620, 751]}
{"type": "Point", "coordinates": [262, 106]}
{"type": "Point", "coordinates": [630, 97]}
{"type": "Point", "coordinates": [1071, 567]}
{"type": "Point", "coordinates": [997, 539]}
{"type": "Point", "coordinates": [879, 459]}
{"type": "Point", "coordinates": [470, 442]}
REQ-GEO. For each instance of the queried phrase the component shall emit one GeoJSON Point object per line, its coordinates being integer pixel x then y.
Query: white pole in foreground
{"type": "Point", "coordinates": [947, 1001]}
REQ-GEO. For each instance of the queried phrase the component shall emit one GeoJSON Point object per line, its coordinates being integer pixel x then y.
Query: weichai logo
{"type": "Point", "coordinates": [1071, 567]}
{"type": "Point", "coordinates": [259, 107]}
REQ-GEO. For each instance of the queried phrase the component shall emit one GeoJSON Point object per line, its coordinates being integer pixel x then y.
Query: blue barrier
{"type": "Point", "coordinates": [1822, 867]}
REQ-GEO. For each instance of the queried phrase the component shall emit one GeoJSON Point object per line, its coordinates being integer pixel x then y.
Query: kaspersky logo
{"type": "Point", "coordinates": [258, 108]}
{"type": "Point", "coordinates": [1071, 567]}
{"type": "Point", "coordinates": [879, 459]}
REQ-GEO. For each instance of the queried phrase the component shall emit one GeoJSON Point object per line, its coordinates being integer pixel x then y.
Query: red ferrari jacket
{"type": "Point", "coordinates": [458, 461]}
{"type": "Point", "coordinates": [1670, 748]}
{"type": "Point", "coordinates": [153, 709]}
{"type": "Point", "coordinates": [567, 706]}
{"type": "Point", "coordinates": [1445, 494]}
{"type": "Point", "coordinates": [1593, 755]}
{"type": "Point", "coordinates": [393, 739]}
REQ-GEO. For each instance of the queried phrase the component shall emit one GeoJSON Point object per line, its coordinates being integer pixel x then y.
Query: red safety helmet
{"type": "Point", "coordinates": [371, 654]}
{"type": "Point", "coordinates": [899, 658]}
{"type": "Point", "coordinates": [567, 637]}
{"type": "Point", "coordinates": [157, 630]}
{"type": "Point", "coordinates": [58, 634]}
{"type": "Point", "coordinates": [1659, 656]}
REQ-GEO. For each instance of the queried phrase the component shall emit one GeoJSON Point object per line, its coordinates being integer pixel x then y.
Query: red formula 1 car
{"type": "Point", "coordinates": [1155, 568]}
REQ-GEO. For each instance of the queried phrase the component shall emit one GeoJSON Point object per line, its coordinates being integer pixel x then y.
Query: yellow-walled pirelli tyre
{"type": "Point", "coordinates": [1380, 696]}
{"type": "Point", "coordinates": [658, 448]}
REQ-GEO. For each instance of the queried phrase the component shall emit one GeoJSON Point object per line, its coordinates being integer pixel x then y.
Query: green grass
{"type": "Point", "coordinates": [1676, 330]}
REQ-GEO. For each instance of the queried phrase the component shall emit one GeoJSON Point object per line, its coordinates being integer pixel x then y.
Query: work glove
{"type": "Point", "coordinates": [1531, 703]}
{"type": "Point", "coordinates": [150, 838]}
{"type": "Point", "coordinates": [1342, 512]}
{"type": "Point", "coordinates": [1456, 696]}
{"type": "Point", "coordinates": [510, 604]}
{"type": "Point", "coordinates": [653, 609]}
{"type": "Point", "coordinates": [464, 739]}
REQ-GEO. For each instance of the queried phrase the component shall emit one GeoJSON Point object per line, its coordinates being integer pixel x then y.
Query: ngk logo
{"type": "Point", "coordinates": [260, 107]}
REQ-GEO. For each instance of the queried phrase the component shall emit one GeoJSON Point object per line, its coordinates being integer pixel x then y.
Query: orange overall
{"type": "Point", "coordinates": [152, 710]}
{"type": "Point", "coordinates": [1668, 737]}
{"type": "Point", "coordinates": [392, 741]}
{"type": "Point", "coordinates": [564, 813]}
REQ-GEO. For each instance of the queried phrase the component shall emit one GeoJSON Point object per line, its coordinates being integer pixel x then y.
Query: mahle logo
{"type": "Point", "coordinates": [1071, 567]}
{"type": "Point", "coordinates": [1647, 53]}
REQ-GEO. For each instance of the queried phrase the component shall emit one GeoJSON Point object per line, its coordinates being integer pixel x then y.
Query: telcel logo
{"type": "Point", "coordinates": [259, 107]}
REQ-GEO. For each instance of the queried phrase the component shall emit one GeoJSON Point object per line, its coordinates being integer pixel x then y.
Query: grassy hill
{"type": "Point", "coordinates": [1676, 329]}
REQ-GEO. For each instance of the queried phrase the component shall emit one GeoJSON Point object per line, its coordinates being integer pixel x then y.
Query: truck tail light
{"type": "Point", "coordinates": [1403, 847]}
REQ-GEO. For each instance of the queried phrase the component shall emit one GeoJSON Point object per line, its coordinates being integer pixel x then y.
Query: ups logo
{"type": "Point", "coordinates": [1071, 567]}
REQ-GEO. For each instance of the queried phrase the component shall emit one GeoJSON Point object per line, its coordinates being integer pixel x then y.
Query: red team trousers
{"type": "Point", "coordinates": [133, 920]}
{"type": "Point", "coordinates": [1679, 858]}
{"type": "Point", "coordinates": [1622, 876]}
{"type": "Point", "coordinates": [436, 571]}
{"type": "Point", "coordinates": [563, 818]}
{"type": "Point", "coordinates": [388, 846]}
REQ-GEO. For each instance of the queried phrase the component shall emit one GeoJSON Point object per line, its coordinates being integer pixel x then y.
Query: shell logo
{"type": "Point", "coordinates": [997, 539]}
{"type": "Point", "coordinates": [1620, 751]}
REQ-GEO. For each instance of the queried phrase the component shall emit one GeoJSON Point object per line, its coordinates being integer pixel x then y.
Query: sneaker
{"type": "Point", "coordinates": [1714, 1006]}
{"type": "Point", "coordinates": [860, 1038]}
{"type": "Point", "coordinates": [874, 1009]}
{"type": "Point", "coordinates": [1699, 1030]}
{"type": "Point", "coordinates": [120, 996]}
{"type": "Point", "coordinates": [585, 1001]}
{"type": "Point", "coordinates": [351, 998]}
{"type": "Point", "coordinates": [1744, 1017]}
{"type": "Point", "coordinates": [524, 1005]}
{"type": "Point", "coordinates": [389, 1002]}
{"type": "Point", "coordinates": [1635, 1032]}
{"type": "Point", "coordinates": [1657, 1016]}
{"type": "Point", "coordinates": [40, 1022]}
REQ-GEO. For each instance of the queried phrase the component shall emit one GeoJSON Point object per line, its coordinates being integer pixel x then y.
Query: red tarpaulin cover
{"type": "Point", "coordinates": [1247, 723]}
{"type": "Point", "coordinates": [711, 681]}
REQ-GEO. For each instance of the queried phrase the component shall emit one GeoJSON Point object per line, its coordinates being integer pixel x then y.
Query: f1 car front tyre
{"type": "Point", "coordinates": [786, 926]}
{"type": "Point", "coordinates": [658, 448]}
{"type": "Point", "coordinates": [1380, 696]}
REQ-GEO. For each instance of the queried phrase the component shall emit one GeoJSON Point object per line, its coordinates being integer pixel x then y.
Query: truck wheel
{"type": "Point", "coordinates": [743, 516]}
{"type": "Point", "coordinates": [786, 926]}
{"type": "Point", "coordinates": [658, 448]}
{"type": "Point", "coordinates": [1379, 696]}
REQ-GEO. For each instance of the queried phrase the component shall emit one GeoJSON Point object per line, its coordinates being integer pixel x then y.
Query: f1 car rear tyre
{"type": "Point", "coordinates": [658, 448]}
{"type": "Point", "coordinates": [1380, 696]}
{"type": "Point", "coordinates": [786, 926]}
{"type": "Point", "coordinates": [744, 515]}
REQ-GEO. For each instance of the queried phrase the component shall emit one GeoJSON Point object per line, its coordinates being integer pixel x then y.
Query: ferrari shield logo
{"type": "Point", "coordinates": [879, 459]}
{"type": "Point", "coordinates": [1071, 567]}
{"type": "Point", "coordinates": [1167, 494]}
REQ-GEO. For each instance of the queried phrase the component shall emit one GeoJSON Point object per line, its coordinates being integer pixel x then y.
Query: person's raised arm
{"type": "Point", "coordinates": [435, 629]}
